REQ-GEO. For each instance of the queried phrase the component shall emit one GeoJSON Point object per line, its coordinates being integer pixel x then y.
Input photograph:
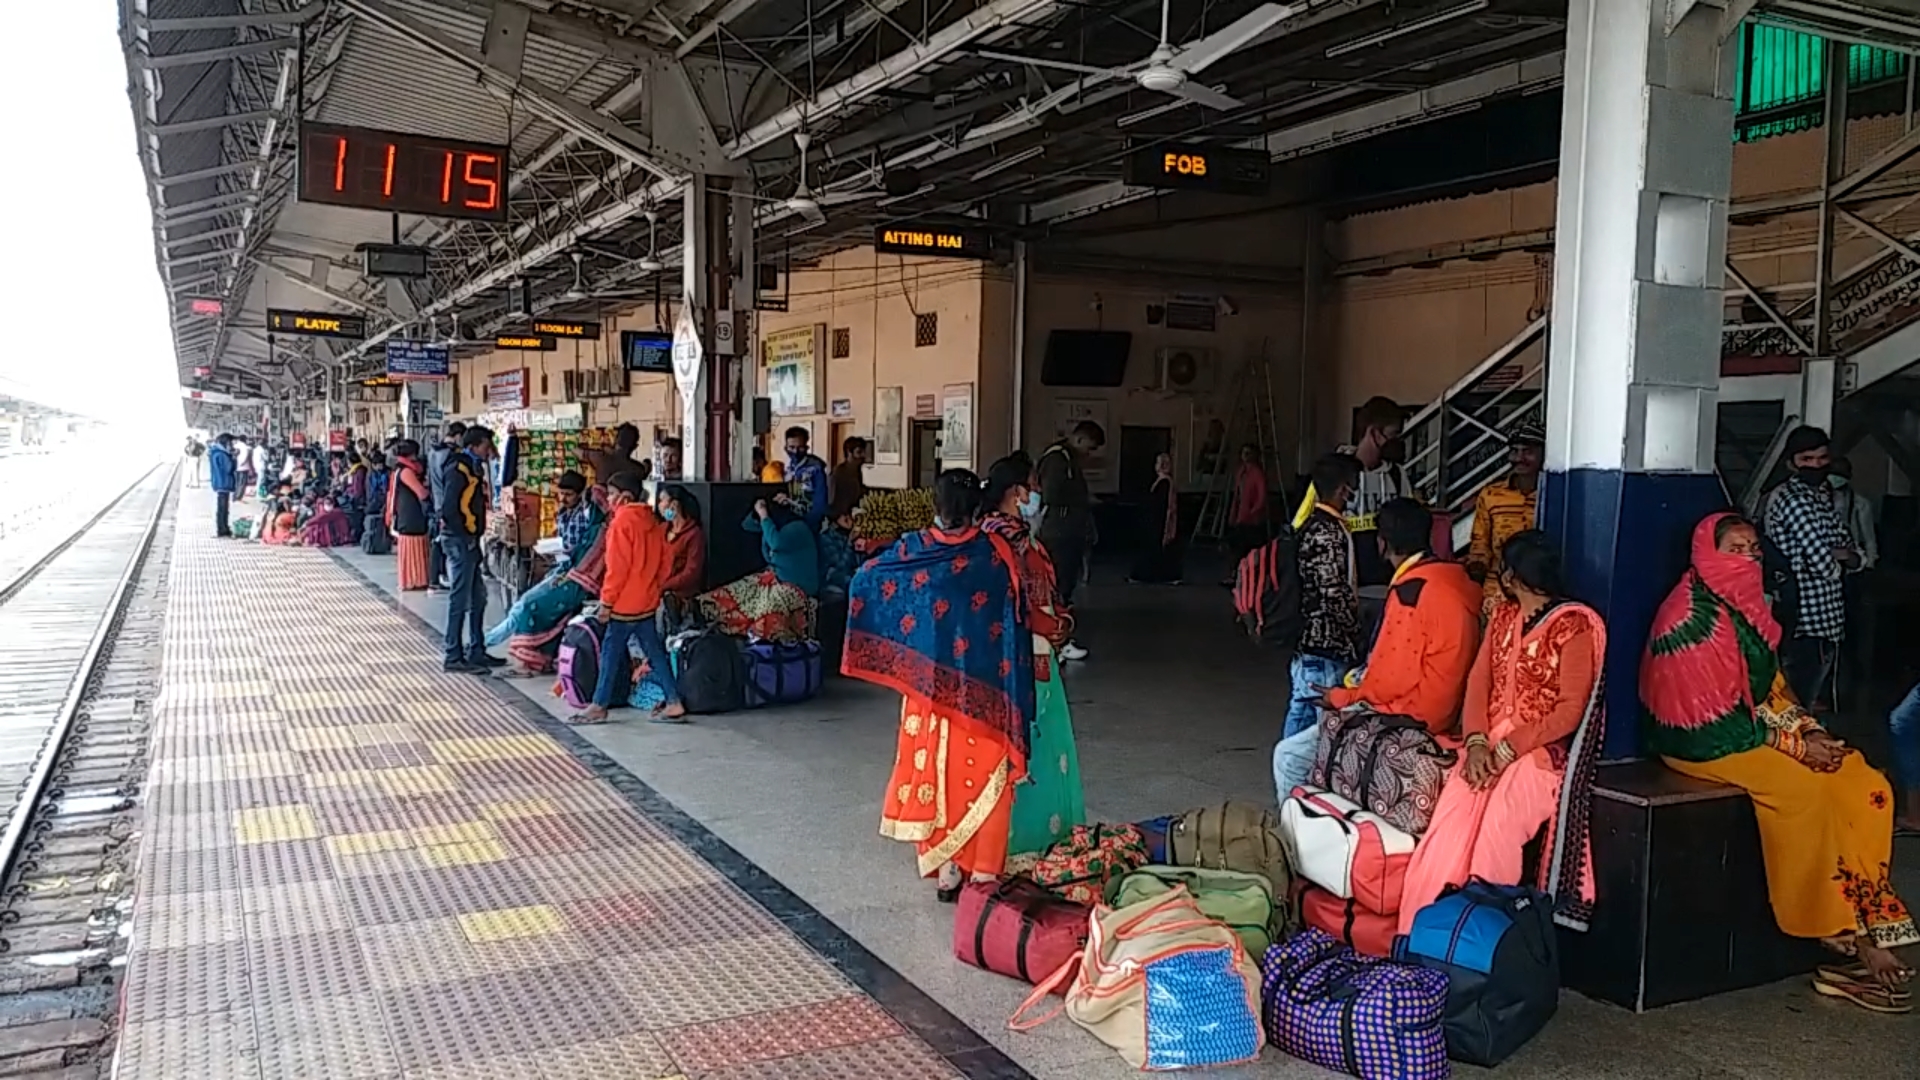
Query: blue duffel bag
{"type": "Point", "coordinates": [782, 674]}
{"type": "Point", "coordinates": [1497, 946]}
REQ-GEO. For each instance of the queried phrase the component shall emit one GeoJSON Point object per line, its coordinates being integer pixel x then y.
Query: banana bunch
{"type": "Point", "coordinates": [886, 514]}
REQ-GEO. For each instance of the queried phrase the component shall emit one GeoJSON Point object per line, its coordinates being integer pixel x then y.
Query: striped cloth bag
{"type": "Point", "coordinates": [1361, 1015]}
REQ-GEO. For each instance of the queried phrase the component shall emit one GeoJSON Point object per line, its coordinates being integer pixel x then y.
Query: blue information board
{"type": "Point", "coordinates": [416, 360]}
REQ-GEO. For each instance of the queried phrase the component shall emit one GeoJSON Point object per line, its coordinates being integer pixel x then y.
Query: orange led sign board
{"type": "Point", "coordinates": [525, 342]}
{"type": "Point", "coordinates": [409, 174]}
{"type": "Point", "coordinates": [945, 241]}
{"type": "Point", "coordinates": [566, 328]}
{"type": "Point", "coordinates": [1199, 168]}
{"type": "Point", "coordinates": [325, 324]}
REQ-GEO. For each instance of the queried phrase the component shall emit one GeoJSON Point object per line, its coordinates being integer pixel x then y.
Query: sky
{"type": "Point", "coordinates": [82, 290]}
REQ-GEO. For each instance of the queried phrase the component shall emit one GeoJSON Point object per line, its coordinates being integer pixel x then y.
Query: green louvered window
{"type": "Point", "coordinates": [1781, 80]}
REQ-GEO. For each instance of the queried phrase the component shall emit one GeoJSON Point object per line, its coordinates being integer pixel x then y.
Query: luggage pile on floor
{"type": "Point", "coordinates": [714, 672]}
{"type": "Point", "coordinates": [1178, 941]}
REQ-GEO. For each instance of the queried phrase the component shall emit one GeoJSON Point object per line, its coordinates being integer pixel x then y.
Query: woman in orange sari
{"type": "Point", "coordinates": [1532, 717]}
{"type": "Point", "coordinates": [940, 617]}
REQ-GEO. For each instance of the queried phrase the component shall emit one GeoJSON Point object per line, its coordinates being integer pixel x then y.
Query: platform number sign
{"type": "Point", "coordinates": [687, 357]}
{"type": "Point", "coordinates": [410, 174]}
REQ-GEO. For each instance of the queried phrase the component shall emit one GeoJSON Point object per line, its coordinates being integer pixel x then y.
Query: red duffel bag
{"type": "Point", "coordinates": [1348, 921]}
{"type": "Point", "coordinates": [1016, 927]}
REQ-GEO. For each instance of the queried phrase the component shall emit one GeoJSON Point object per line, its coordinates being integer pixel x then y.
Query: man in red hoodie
{"type": "Point", "coordinates": [1428, 638]}
{"type": "Point", "coordinates": [637, 566]}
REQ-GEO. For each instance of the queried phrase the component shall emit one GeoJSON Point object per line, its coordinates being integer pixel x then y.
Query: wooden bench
{"type": "Point", "coordinates": [1683, 911]}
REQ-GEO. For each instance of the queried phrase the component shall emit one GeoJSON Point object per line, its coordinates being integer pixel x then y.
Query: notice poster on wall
{"type": "Point", "coordinates": [886, 425]}
{"type": "Point", "coordinates": [956, 425]}
{"type": "Point", "coordinates": [1068, 412]}
{"type": "Point", "coordinates": [792, 361]}
{"type": "Point", "coordinates": [507, 389]}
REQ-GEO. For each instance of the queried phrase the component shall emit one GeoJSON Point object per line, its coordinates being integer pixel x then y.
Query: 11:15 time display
{"type": "Point", "coordinates": [410, 174]}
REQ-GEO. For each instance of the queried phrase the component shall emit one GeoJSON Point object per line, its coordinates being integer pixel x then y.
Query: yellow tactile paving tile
{"type": "Point", "coordinates": [421, 710]}
{"type": "Point", "coordinates": [416, 780]}
{"type": "Point", "coordinates": [366, 843]}
{"type": "Point", "coordinates": [316, 700]}
{"type": "Point", "coordinates": [471, 853]}
{"type": "Point", "coordinates": [347, 737]}
{"type": "Point", "coordinates": [507, 923]}
{"type": "Point", "coordinates": [264, 824]}
{"type": "Point", "coordinates": [243, 766]}
{"type": "Point", "coordinates": [494, 748]}
{"type": "Point", "coordinates": [465, 832]}
{"type": "Point", "coordinates": [514, 809]}
{"type": "Point", "coordinates": [362, 779]}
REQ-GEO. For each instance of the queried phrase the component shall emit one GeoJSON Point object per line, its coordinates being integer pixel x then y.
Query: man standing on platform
{"type": "Point", "coordinates": [220, 477]}
{"type": "Point", "coordinates": [1066, 508]}
{"type": "Point", "coordinates": [848, 484]}
{"type": "Point", "coordinates": [672, 451]}
{"type": "Point", "coordinates": [806, 469]}
{"type": "Point", "coordinates": [1330, 642]}
{"type": "Point", "coordinates": [463, 521]}
{"type": "Point", "coordinates": [436, 471]}
{"type": "Point", "coordinates": [1803, 523]}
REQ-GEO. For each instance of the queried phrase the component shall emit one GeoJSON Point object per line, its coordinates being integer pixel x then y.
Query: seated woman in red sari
{"type": "Point", "coordinates": [1532, 720]}
{"type": "Point", "coordinates": [940, 617]}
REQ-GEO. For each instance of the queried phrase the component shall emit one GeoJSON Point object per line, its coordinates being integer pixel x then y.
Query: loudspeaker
{"type": "Point", "coordinates": [762, 415]}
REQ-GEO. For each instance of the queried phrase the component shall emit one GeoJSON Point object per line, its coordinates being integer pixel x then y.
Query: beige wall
{"type": "Point", "coordinates": [1265, 319]}
{"type": "Point", "coordinates": [651, 400]}
{"type": "Point", "coordinates": [876, 298]}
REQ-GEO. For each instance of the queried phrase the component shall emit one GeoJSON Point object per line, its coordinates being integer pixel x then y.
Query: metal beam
{"type": "Point", "coordinates": [556, 107]}
{"type": "Point", "coordinates": [733, 10]}
{"type": "Point", "coordinates": [1895, 153]}
{"type": "Point", "coordinates": [997, 15]}
{"type": "Point", "coordinates": [235, 22]}
{"type": "Point", "coordinates": [1434, 102]}
{"type": "Point", "coordinates": [1766, 308]}
{"type": "Point", "coordinates": [172, 214]}
{"type": "Point", "coordinates": [172, 242]}
{"type": "Point", "coordinates": [319, 289]}
{"type": "Point", "coordinates": [227, 209]}
{"type": "Point", "coordinates": [204, 123]}
{"type": "Point", "coordinates": [197, 175]}
{"type": "Point", "coordinates": [213, 56]}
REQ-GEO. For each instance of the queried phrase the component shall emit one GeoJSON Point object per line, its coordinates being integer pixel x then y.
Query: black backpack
{"type": "Point", "coordinates": [710, 669]}
{"type": "Point", "coordinates": [1266, 592]}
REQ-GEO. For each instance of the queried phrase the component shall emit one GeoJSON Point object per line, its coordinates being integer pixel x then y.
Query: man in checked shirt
{"type": "Point", "coordinates": [1803, 522]}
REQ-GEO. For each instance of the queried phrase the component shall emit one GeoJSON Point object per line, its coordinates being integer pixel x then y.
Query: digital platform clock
{"type": "Point", "coordinates": [409, 174]}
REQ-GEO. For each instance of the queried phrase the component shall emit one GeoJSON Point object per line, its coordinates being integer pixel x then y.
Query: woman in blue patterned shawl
{"type": "Point", "coordinates": [940, 617]}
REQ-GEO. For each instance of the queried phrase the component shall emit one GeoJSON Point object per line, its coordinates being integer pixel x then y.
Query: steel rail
{"type": "Point", "coordinates": [20, 820]}
{"type": "Point", "coordinates": [28, 573]}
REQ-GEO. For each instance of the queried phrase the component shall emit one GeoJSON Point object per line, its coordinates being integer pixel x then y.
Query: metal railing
{"type": "Point", "coordinates": [1457, 444]}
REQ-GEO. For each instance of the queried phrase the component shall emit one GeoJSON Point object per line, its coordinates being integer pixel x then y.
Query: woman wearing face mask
{"type": "Point", "coordinates": [1718, 708]}
{"type": "Point", "coordinates": [1532, 718]}
{"type": "Point", "coordinates": [1160, 553]}
{"type": "Point", "coordinates": [1050, 803]}
{"type": "Point", "coordinates": [941, 617]}
{"type": "Point", "coordinates": [686, 543]}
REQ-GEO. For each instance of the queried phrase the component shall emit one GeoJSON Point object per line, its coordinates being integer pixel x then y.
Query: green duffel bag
{"type": "Point", "coordinates": [1244, 902]}
{"type": "Point", "coordinates": [1238, 836]}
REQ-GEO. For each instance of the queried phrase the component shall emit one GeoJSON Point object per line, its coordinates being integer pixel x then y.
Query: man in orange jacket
{"type": "Point", "coordinates": [1428, 639]}
{"type": "Point", "coordinates": [637, 565]}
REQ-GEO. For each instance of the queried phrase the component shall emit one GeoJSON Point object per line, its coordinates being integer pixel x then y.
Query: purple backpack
{"type": "Point", "coordinates": [1368, 1017]}
{"type": "Point", "coordinates": [578, 666]}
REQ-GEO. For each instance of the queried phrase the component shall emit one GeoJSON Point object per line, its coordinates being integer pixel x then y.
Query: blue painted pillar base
{"type": "Point", "coordinates": [1625, 537]}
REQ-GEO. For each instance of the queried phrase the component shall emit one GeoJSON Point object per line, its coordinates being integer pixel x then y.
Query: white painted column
{"type": "Point", "coordinates": [696, 251]}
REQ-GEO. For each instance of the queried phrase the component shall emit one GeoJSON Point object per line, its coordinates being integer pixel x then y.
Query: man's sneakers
{"type": "Point", "coordinates": [1072, 650]}
{"type": "Point", "coordinates": [485, 662]}
{"type": "Point", "coordinates": [461, 667]}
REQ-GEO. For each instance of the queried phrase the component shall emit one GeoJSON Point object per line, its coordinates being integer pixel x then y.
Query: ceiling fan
{"type": "Point", "coordinates": [1168, 70]}
{"type": "Point", "coordinates": [811, 208]}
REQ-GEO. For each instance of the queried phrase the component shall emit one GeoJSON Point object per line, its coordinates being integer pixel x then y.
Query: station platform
{"type": "Point", "coordinates": [354, 865]}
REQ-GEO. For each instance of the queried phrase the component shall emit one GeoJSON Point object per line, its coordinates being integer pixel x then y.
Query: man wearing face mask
{"type": "Point", "coordinates": [1066, 523]}
{"type": "Point", "coordinates": [1505, 508]}
{"type": "Point", "coordinates": [807, 471]}
{"type": "Point", "coordinates": [1804, 524]}
{"type": "Point", "coordinates": [1382, 454]}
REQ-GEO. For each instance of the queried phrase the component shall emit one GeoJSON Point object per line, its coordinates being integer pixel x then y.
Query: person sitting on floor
{"type": "Point", "coordinates": [1717, 707]}
{"type": "Point", "coordinates": [1532, 719]}
{"type": "Point", "coordinates": [1428, 638]}
{"type": "Point", "coordinates": [775, 604]}
{"type": "Point", "coordinates": [636, 554]}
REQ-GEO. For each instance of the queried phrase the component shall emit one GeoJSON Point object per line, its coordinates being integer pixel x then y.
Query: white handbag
{"type": "Point", "coordinates": [1353, 853]}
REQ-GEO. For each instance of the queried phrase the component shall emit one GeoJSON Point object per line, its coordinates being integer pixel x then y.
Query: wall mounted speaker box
{"type": "Point", "coordinates": [1682, 908]}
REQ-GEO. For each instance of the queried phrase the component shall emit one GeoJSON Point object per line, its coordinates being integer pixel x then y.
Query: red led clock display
{"type": "Point", "coordinates": [408, 174]}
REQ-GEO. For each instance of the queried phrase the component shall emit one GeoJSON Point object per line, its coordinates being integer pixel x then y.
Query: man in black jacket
{"type": "Point", "coordinates": [436, 464]}
{"type": "Point", "coordinates": [464, 483]}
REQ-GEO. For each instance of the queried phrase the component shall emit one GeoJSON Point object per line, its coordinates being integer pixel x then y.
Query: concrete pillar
{"type": "Point", "coordinates": [697, 255]}
{"type": "Point", "coordinates": [1646, 160]}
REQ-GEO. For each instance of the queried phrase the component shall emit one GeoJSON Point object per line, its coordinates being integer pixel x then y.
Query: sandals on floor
{"type": "Point", "coordinates": [1870, 996]}
{"type": "Point", "coordinates": [1859, 974]}
{"type": "Point", "coordinates": [581, 719]}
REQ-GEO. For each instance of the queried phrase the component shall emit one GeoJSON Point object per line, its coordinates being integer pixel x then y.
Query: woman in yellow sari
{"type": "Point", "coordinates": [1717, 708]}
{"type": "Point", "coordinates": [941, 617]}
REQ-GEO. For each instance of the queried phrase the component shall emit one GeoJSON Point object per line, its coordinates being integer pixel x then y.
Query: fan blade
{"type": "Point", "coordinates": [841, 198]}
{"type": "Point", "coordinates": [1040, 61]}
{"type": "Point", "coordinates": [1208, 96]}
{"type": "Point", "coordinates": [1231, 38]}
{"type": "Point", "coordinates": [813, 216]}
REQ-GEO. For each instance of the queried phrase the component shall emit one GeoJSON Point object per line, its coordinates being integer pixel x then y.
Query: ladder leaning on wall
{"type": "Point", "coordinates": [1253, 421]}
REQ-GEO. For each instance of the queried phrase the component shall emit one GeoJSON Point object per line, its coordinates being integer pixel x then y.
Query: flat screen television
{"type": "Point", "coordinates": [1086, 358]}
{"type": "Point", "coordinates": [647, 350]}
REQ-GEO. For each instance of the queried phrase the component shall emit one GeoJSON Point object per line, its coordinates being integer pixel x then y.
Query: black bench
{"type": "Point", "coordinates": [1683, 911]}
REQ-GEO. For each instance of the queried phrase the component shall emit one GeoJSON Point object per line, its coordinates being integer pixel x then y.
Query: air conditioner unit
{"type": "Point", "coordinates": [1183, 369]}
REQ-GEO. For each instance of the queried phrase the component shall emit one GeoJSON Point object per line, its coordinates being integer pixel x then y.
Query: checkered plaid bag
{"type": "Point", "coordinates": [1367, 1017]}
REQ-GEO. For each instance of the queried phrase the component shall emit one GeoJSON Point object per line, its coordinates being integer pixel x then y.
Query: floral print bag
{"type": "Point", "coordinates": [1079, 867]}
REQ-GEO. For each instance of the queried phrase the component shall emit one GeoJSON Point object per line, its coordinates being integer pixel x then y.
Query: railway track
{"type": "Point", "coordinates": [80, 639]}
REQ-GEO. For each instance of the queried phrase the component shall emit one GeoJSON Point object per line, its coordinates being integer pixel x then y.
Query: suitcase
{"type": "Point", "coordinates": [710, 671]}
{"type": "Point", "coordinates": [578, 665]}
{"type": "Point", "coordinates": [1367, 932]}
{"type": "Point", "coordinates": [782, 674]}
{"type": "Point", "coordinates": [1370, 1018]}
{"type": "Point", "coordinates": [1019, 929]}
{"type": "Point", "coordinates": [1352, 853]}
